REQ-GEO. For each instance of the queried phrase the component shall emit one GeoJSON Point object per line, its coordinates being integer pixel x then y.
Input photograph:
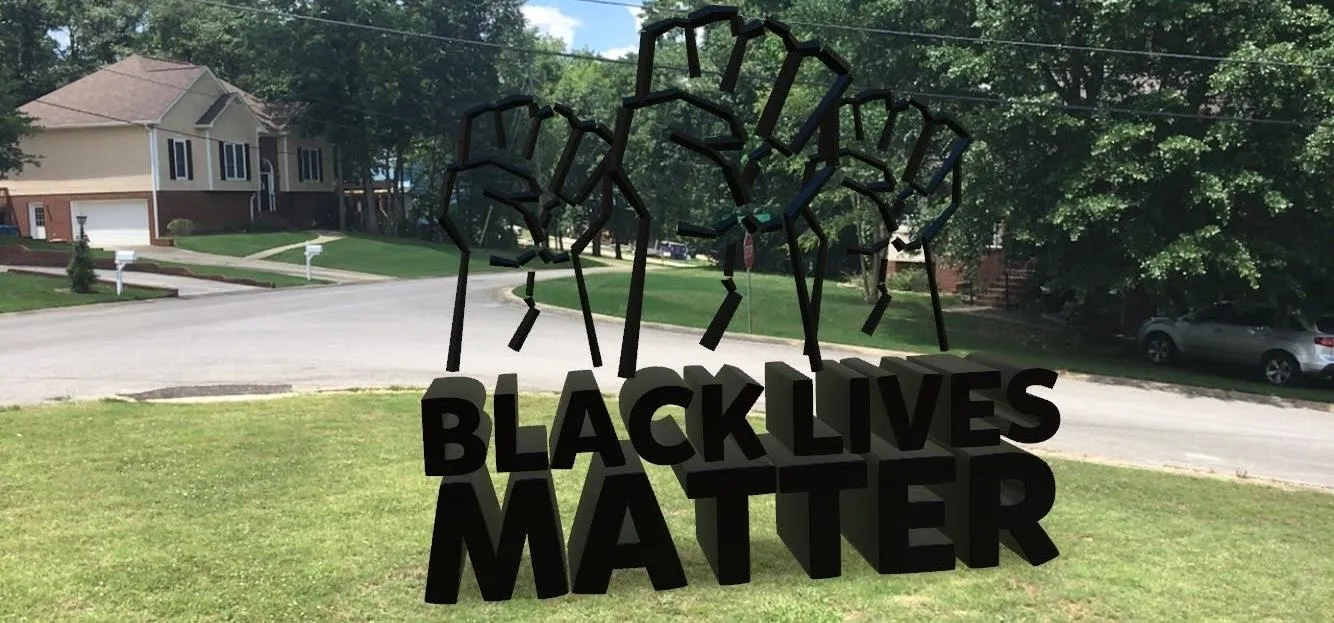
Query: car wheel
{"type": "Point", "coordinates": [1281, 369]}
{"type": "Point", "coordinates": [1160, 348]}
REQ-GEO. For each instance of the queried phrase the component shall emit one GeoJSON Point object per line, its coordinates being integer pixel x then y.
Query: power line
{"type": "Point", "coordinates": [1012, 42]}
{"type": "Point", "coordinates": [132, 122]}
{"type": "Point", "coordinates": [995, 101]}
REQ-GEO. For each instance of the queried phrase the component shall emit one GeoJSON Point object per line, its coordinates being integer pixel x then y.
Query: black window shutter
{"type": "Point", "coordinates": [300, 165]}
{"type": "Point", "coordinates": [319, 165]}
{"type": "Point", "coordinates": [171, 158]}
{"type": "Point", "coordinates": [189, 161]}
{"type": "Point", "coordinates": [222, 160]}
{"type": "Point", "coordinates": [247, 162]}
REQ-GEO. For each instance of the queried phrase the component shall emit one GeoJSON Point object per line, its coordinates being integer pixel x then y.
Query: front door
{"type": "Point", "coordinates": [37, 221]}
{"type": "Point", "coordinates": [266, 200]}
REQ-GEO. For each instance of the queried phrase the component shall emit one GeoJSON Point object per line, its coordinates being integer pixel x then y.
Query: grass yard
{"type": "Point", "coordinates": [403, 257]}
{"type": "Point", "coordinates": [241, 245]}
{"type": "Point", "coordinates": [24, 292]}
{"type": "Point", "coordinates": [689, 297]}
{"type": "Point", "coordinates": [316, 508]}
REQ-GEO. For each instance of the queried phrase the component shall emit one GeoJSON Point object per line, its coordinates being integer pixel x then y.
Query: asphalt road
{"type": "Point", "coordinates": [397, 333]}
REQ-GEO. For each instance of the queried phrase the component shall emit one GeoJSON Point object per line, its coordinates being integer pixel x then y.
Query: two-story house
{"type": "Point", "coordinates": [144, 141]}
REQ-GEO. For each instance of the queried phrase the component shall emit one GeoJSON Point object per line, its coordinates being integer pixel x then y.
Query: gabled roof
{"type": "Point", "coordinates": [276, 116]}
{"type": "Point", "coordinates": [134, 90]}
{"type": "Point", "coordinates": [140, 90]}
{"type": "Point", "coordinates": [215, 109]}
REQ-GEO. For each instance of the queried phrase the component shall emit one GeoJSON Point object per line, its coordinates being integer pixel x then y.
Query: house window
{"type": "Point", "coordinates": [310, 165]}
{"type": "Point", "coordinates": [235, 161]}
{"type": "Point", "coordinates": [180, 160]}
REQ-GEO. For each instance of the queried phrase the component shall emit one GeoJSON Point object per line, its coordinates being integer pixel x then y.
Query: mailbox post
{"type": "Point", "coordinates": [123, 259]}
{"type": "Point", "coordinates": [311, 251]}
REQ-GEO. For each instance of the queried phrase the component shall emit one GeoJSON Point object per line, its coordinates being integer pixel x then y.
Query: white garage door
{"type": "Point", "coordinates": [118, 223]}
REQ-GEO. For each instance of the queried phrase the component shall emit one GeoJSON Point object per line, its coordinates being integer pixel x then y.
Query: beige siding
{"type": "Point", "coordinates": [238, 126]}
{"type": "Point", "coordinates": [290, 167]}
{"type": "Point", "coordinates": [179, 125]}
{"type": "Point", "coordinates": [235, 125]}
{"type": "Point", "coordinates": [87, 160]}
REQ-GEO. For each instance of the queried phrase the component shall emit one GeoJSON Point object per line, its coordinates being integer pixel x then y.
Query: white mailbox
{"type": "Point", "coordinates": [123, 259]}
{"type": "Point", "coordinates": [311, 251]}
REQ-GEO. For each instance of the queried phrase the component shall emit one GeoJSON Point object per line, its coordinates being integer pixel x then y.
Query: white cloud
{"type": "Point", "coordinates": [61, 35]}
{"type": "Point", "coordinates": [637, 14]}
{"type": "Point", "coordinates": [619, 52]}
{"type": "Point", "coordinates": [549, 20]}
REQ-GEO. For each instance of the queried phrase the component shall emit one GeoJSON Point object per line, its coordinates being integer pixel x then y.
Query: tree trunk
{"type": "Point", "coordinates": [372, 222]}
{"type": "Point", "coordinates": [339, 191]}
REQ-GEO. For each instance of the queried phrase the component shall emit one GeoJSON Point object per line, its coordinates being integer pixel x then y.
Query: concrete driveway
{"type": "Point", "coordinates": [397, 333]}
{"type": "Point", "coordinates": [185, 286]}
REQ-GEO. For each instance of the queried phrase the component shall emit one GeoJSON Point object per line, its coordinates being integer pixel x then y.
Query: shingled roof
{"type": "Point", "coordinates": [137, 90]}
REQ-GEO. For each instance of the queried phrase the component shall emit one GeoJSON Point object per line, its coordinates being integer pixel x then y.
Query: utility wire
{"type": "Point", "coordinates": [943, 96]}
{"type": "Point", "coordinates": [207, 139]}
{"type": "Point", "coordinates": [1011, 42]}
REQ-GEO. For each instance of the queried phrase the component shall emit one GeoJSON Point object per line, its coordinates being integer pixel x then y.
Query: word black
{"type": "Point", "coordinates": [903, 459]}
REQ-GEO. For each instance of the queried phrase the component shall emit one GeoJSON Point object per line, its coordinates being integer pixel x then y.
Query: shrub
{"type": "Point", "coordinates": [80, 269]}
{"type": "Point", "coordinates": [180, 227]}
{"type": "Point", "coordinates": [911, 278]}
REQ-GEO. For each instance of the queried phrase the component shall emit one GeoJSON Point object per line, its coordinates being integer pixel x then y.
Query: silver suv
{"type": "Point", "coordinates": [1285, 349]}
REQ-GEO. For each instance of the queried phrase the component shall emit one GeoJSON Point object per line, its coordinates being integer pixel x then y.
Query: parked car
{"type": "Point", "coordinates": [1285, 350]}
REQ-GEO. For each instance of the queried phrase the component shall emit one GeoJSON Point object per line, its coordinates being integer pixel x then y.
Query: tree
{"type": "Point", "coordinates": [14, 125]}
{"type": "Point", "coordinates": [81, 271]}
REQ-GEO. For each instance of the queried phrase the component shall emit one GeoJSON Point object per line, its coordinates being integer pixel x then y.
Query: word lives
{"type": "Point", "coordinates": [903, 459]}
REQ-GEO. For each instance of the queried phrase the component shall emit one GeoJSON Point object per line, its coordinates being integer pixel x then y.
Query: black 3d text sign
{"type": "Point", "coordinates": [904, 459]}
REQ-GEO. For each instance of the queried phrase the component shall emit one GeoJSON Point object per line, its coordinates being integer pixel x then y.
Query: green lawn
{"type": "Point", "coordinates": [23, 292]}
{"type": "Point", "coordinates": [241, 245]}
{"type": "Point", "coordinates": [316, 509]}
{"type": "Point", "coordinates": [689, 297]}
{"type": "Point", "coordinates": [403, 257]}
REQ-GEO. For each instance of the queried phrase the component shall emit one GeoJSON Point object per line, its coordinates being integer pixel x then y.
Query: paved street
{"type": "Point", "coordinates": [396, 333]}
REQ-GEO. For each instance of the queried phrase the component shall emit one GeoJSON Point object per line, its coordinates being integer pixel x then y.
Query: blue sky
{"type": "Point", "coordinates": [605, 29]}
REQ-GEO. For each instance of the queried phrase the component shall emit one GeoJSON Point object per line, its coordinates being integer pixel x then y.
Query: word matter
{"type": "Point", "coordinates": [903, 459]}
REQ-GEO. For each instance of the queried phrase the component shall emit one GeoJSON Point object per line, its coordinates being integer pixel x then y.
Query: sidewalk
{"type": "Point", "coordinates": [320, 239]}
{"type": "Point", "coordinates": [181, 256]}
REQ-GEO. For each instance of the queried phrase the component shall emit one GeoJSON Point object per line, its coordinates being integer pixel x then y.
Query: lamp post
{"type": "Point", "coordinates": [82, 218]}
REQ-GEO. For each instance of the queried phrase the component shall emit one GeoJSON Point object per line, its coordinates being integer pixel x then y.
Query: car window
{"type": "Point", "coordinates": [1324, 324]}
{"type": "Point", "coordinates": [1255, 317]}
{"type": "Point", "coordinates": [1222, 313]}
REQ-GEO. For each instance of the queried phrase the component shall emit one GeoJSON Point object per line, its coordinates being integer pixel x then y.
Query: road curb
{"type": "Point", "coordinates": [507, 295]}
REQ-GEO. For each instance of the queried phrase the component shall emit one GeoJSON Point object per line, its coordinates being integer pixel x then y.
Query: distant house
{"type": "Point", "coordinates": [145, 141]}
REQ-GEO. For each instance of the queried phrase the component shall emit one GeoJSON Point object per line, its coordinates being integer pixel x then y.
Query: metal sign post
{"type": "Point", "coordinates": [748, 255]}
